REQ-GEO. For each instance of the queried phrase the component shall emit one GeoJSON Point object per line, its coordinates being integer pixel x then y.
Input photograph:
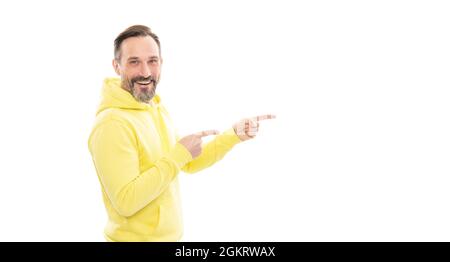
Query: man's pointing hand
{"type": "Point", "coordinates": [247, 128]}
{"type": "Point", "coordinates": [193, 143]}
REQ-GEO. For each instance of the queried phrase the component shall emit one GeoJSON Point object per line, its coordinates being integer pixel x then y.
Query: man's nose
{"type": "Point", "coordinates": [145, 71]}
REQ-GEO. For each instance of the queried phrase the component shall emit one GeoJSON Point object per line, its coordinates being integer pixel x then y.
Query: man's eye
{"type": "Point", "coordinates": [153, 61]}
{"type": "Point", "coordinates": [134, 62]}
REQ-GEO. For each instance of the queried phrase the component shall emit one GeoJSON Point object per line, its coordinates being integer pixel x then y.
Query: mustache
{"type": "Point", "coordinates": [143, 79]}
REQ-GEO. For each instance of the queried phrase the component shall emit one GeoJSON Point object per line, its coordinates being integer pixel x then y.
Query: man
{"type": "Point", "coordinates": [136, 150]}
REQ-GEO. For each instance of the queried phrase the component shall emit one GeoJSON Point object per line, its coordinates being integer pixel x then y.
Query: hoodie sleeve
{"type": "Point", "coordinates": [114, 150]}
{"type": "Point", "coordinates": [213, 151]}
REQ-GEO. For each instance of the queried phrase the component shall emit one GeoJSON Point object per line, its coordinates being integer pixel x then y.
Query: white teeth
{"type": "Point", "coordinates": [144, 83]}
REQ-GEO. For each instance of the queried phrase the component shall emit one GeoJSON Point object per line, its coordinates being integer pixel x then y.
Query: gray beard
{"type": "Point", "coordinates": [143, 97]}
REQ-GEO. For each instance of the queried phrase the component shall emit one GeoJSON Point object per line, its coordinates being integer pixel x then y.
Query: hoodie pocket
{"type": "Point", "coordinates": [169, 221]}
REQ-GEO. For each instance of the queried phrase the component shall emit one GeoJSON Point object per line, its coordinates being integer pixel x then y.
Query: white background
{"type": "Point", "coordinates": [359, 151]}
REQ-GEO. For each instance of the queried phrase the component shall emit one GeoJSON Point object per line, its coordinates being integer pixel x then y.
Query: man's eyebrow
{"type": "Point", "coordinates": [137, 58]}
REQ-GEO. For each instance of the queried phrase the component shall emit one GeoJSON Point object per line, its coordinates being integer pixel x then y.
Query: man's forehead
{"type": "Point", "coordinates": [141, 47]}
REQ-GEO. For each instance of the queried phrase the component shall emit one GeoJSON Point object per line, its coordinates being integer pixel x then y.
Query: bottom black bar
{"type": "Point", "coordinates": [202, 251]}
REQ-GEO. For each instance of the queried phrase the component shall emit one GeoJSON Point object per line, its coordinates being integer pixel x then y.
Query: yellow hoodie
{"type": "Point", "coordinates": [137, 158]}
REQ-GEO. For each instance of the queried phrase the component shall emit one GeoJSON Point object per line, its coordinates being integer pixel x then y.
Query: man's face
{"type": "Point", "coordinates": [139, 67]}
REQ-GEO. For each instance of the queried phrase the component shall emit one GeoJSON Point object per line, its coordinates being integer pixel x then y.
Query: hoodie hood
{"type": "Point", "coordinates": [114, 96]}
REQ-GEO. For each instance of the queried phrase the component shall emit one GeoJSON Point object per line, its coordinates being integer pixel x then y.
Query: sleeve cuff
{"type": "Point", "coordinates": [180, 155]}
{"type": "Point", "coordinates": [231, 137]}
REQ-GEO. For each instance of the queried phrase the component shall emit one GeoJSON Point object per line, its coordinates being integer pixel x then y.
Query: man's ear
{"type": "Point", "coordinates": [115, 65]}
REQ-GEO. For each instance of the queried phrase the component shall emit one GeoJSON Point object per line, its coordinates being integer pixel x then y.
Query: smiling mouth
{"type": "Point", "coordinates": [144, 83]}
